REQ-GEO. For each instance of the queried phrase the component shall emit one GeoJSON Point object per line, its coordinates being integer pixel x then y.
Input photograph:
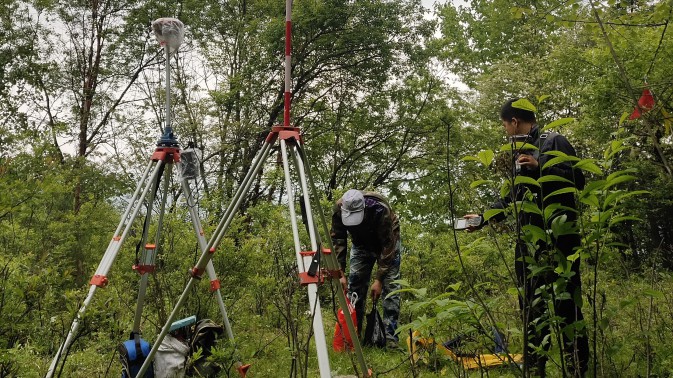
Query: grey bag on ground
{"type": "Point", "coordinates": [171, 358]}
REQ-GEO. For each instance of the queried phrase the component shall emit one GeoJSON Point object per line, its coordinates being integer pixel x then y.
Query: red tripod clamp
{"type": "Point", "coordinates": [168, 155]}
{"type": "Point", "coordinates": [288, 133]}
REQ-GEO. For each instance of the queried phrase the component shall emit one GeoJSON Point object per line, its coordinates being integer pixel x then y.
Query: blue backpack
{"type": "Point", "coordinates": [132, 355]}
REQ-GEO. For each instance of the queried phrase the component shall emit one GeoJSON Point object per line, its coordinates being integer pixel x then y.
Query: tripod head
{"type": "Point", "coordinates": [170, 33]}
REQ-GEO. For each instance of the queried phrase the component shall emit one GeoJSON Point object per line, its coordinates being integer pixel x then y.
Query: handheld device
{"type": "Point", "coordinates": [464, 223]}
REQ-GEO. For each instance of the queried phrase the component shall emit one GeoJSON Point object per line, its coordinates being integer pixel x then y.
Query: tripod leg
{"type": "Point", "coordinates": [302, 264]}
{"type": "Point", "coordinates": [100, 277]}
{"type": "Point", "coordinates": [209, 250]}
{"type": "Point", "coordinates": [330, 259]}
{"type": "Point", "coordinates": [150, 251]}
{"type": "Point", "coordinates": [203, 244]}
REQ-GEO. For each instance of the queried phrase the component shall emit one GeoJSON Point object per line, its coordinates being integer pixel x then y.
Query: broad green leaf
{"type": "Point", "coordinates": [620, 195]}
{"type": "Point", "coordinates": [524, 104]}
{"type": "Point", "coordinates": [551, 210]}
{"type": "Point", "coordinates": [517, 12]}
{"type": "Point", "coordinates": [486, 157]}
{"type": "Point", "coordinates": [455, 287]}
{"type": "Point", "coordinates": [402, 282]}
{"type": "Point", "coordinates": [592, 187]}
{"type": "Point", "coordinates": [623, 118]}
{"type": "Point", "coordinates": [601, 217]}
{"type": "Point", "coordinates": [559, 122]}
{"type": "Point", "coordinates": [619, 180]}
{"type": "Point", "coordinates": [613, 175]}
{"type": "Point", "coordinates": [419, 293]}
{"type": "Point", "coordinates": [518, 146]}
{"type": "Point", "coordinates": [560, 191]}
{"type": "Point", "coordinates": [477, 183]}
{"type": "Point", "coordinates": [505, 189]}
{"type": "Point", "coordinates": [536, 271]}
{"type": "Point", "coordinates": [653, 294]}
{"type": "Point", "coordinates": [555, 153]}
{"type": "Point", "coordinates": [525, 180]}
{"type": "Point", "coordinates": [559, 160]}
{"type": "Point", "coordinates": [589, 166]}
{"type": "Point", "coordinates": [536, 233]}
{"type": "Point", "coordinates": [542, 98]}
{"type": "Point", "coordinates": [560, 226]}
{"type": "Point", "coordinates": [624, 218]}
{"type": "Point", "coordinates": [615, 147]}
{"type": "Point", "coordinates": [553, 178]}
{"type": "Point", "coordinates": [490, 213]}
{"type": "Point", "coordinates": [529, 207]}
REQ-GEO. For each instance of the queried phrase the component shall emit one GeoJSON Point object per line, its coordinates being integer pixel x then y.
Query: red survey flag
{"type": "Point", "coordinates": [645, 102]}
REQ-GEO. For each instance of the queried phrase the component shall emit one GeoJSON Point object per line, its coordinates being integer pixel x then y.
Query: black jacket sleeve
{"type": "Point", "coordinates": [339, 235]}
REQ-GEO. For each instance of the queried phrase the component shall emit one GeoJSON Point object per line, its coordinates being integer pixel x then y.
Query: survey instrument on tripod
{"type": "Point", "coordinates": [291, 147]}
{"type": "Point", "coordinates": [150, 189]}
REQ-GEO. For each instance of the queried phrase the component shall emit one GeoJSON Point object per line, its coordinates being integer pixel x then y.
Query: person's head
{"type": "Point", "coordinates": [516, 120]}
{"type": "Point", "coordinates": [352, 208]}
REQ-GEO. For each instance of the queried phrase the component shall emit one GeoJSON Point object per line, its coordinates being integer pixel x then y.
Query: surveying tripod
{"type": "Point", "coordinates": [166, 155]}
{"type": "Point", "coordinates": [308, 262]}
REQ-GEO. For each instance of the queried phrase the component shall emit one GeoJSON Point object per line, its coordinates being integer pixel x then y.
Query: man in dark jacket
{"type": "Point", "coordinates": [375, 235]}
{"type": "Point", "coordinates": [543, 294]}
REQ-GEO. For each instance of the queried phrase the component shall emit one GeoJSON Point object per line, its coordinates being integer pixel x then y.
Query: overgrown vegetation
{"type": "Point", "coordinates": [81, 109]}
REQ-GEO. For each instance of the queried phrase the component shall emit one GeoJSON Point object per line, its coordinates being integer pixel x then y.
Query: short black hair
{"type": "Point", "coordinates": [507, 112]}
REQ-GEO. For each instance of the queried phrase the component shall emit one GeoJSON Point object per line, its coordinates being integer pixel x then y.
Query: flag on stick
{"type": "Point", "coordinates": [645, 102]}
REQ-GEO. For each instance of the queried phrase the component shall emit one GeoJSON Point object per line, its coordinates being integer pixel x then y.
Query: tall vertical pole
{"type": "Point", "coordinates": [167, 127]}
{"type": "Point", "coordinates": [288, 62]}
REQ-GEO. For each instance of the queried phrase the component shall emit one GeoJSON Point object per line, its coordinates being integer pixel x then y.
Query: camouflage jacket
{"type": "Point", "coordinates": [377, 234]}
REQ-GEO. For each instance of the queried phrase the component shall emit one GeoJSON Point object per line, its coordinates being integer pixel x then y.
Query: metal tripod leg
{"type": "Point", "coordinates": [203, 245]}
{"type": "Point", "coordinates": [150, 251]}
{"type": "Point", "coordinates": [100, 277]}
{"type": "Point", "coordinates": [207, 253]}
{"type": "Point", "coordinates": [302, 263]}
{"type": "Point", "coordinates": [330, 259]}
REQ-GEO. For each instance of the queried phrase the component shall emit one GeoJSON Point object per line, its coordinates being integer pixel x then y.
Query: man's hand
{"type": "Point", "coordinates": [471, 228]}
{"type": "Point", "coordinates": [344, 282]}
{"type": "Point", "coordinates": [376, 289]}
{"type": "Point", "coordinates": [527, 161]}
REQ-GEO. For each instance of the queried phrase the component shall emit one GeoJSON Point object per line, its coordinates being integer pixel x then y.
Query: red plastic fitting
{"type": "Point", "coordinates": [243, 370]}
{"type": "Point", "coordinates": [99, 280]}
{"type": "Point", "coordinates": [214, 285]}
{"type": "Point", "coordinates": [196, 273]}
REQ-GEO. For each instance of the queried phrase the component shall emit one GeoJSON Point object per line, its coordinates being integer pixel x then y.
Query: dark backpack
{"type": "Point", "coordinates": [132, 355]}
{"type": "Point", "coordinates": [375, 332]}
{"type": "Point", "coordinates": [205, 336]}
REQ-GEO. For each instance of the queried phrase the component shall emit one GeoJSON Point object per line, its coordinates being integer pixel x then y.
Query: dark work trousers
{"type": "Point", "coordinates": [359, 275]}
{"type": "Point", "coordinates": [576, 343]}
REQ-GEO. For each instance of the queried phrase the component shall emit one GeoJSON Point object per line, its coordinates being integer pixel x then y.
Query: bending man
{"type": "Point", "coordinates": [375, 235]}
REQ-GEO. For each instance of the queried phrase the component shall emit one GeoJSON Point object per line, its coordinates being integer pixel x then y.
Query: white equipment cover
{"type": "Point", "coordinates": [169, 32]}
{"type": "Point", "coordinates": [171, 358]}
